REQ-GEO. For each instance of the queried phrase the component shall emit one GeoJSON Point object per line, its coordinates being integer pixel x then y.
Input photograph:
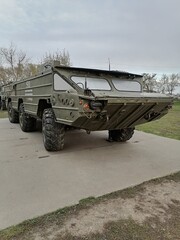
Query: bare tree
{"type": "Point", "coordinates": [162, 84]}
{"type": "Point", "coordinates": [167, 84]}
{"type": "Point", "coordinates": [63, 57]}
{"type": "Point", "coordinates": [149, 82]}
{"type": "Point", "coordinates": [14, 61]}
{"type": "Point", "coordinates": [5, 74]}
{"type": "Point", "coordinates": [31, 69]}
{"type": "Point", "coordinates": [173, 81]}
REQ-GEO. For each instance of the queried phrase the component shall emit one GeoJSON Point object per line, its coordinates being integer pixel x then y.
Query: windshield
{"type": "Point", "coordinates": [127, 85]}
{"type": "Point", "coordinates": [91, 83]}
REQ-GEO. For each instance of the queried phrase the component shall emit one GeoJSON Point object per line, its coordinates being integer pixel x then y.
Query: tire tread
{"type": "Point", "coordinates": [53, 133]}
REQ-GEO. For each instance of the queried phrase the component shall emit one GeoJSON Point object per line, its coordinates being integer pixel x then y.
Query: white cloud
{"type": "Point", "coordinates": [141, 34]}
{"type": "Point", "coordinates": [11, 14]}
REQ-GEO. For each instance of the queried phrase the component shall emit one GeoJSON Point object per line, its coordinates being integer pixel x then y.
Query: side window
{"type": "Point", "coordinates": [92, 83]}
{"type": "Point", "coordinates": [127, 85]}
{"type": "Point", "coordinates": [60, 84]}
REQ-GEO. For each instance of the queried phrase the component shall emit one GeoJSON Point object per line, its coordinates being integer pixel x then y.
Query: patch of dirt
{"type": "Point", "coordinates": [153, 201]}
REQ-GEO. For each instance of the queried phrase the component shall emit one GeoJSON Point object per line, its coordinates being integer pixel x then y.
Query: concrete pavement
{"type": "Point", "coordinates": [34, 181]}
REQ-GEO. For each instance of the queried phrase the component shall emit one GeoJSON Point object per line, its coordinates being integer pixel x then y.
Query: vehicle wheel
{"type": "Point", "coordinates": [27, 123]}
{"type": "Point", "coordinates": [53, 132]}
{"type": "Point", "coordinates": [121, 135]}
{"type": "Point", "coordinates": [12, 114]}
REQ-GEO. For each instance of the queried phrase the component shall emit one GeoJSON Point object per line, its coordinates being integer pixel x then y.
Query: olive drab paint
{"type": "Point", "coordinates": [89, 99]}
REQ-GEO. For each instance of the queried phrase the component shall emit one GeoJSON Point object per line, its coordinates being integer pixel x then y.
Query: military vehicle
{"type": "Point", "coordinates": [2, 98]}
{"type": "Point", "coordinates": [90, 99]}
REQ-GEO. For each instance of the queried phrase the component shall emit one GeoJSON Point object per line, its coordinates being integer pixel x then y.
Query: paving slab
{"type": "Point", "coordinates": [34, 182]}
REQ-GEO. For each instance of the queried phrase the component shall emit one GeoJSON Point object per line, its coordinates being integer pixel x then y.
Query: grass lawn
{"type": "Point", "coordinates": [168, 126]}
{"type": "Point", "coordinates": [3, 114]}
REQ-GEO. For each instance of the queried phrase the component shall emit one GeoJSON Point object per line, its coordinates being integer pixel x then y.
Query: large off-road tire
{"type": "Point", "coordinates": [53, 132]}
{"type": "Point", "coordinates": [12, 114]}
{"type": "Point", "coordinates": [121, 135]}
{"type": "Point", "coordinates": [27, 123]}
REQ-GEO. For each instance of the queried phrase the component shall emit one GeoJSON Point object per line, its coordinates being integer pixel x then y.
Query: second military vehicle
{"type": "Point", "coordinates": [2, 99]}
{"type": "Point", "coordinates": [90, 99]}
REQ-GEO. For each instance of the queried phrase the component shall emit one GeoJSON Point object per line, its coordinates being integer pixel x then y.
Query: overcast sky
{"type": "Point", "coordinates": [137, 35]}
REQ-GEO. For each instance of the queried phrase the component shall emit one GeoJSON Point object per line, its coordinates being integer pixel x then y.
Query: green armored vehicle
{"type": "Point", "coordinates": [2, 98]}
{"type": "Point", "coordinates": [90, 99]}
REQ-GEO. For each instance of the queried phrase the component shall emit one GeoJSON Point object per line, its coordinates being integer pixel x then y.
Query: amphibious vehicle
{"type": "Point", "coordinates": [90, 99]}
